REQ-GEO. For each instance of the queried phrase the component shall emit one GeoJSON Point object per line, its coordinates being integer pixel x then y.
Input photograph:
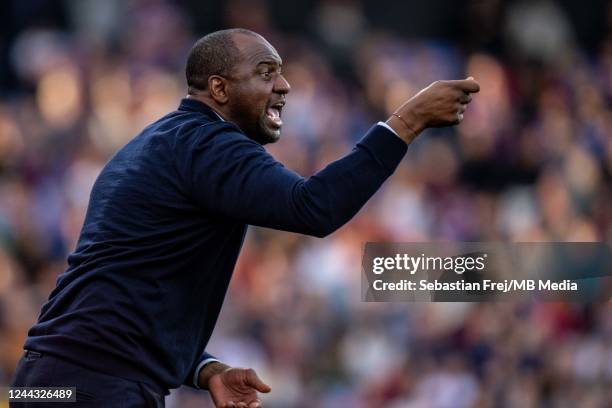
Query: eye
{"type": "Point", "coordinates": [267, 75]}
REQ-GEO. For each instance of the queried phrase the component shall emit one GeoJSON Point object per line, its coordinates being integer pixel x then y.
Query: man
{"type": "Point", "coordinates": [132, 314]}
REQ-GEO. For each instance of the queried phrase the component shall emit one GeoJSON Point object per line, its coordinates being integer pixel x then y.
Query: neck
{"type": "Point", "coordinates": [210, 102]}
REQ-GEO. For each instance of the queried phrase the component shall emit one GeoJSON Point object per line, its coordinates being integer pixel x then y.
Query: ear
{"type": "Point", "coordinates": [217, 87]}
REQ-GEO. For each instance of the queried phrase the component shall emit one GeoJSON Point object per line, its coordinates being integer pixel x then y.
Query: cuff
{"type": "Point", "coordinates": [386, 147]}
{"type": "Point", "coordinates": [199, 367]}
{"type": "Point", "coordinates": [384, 124]}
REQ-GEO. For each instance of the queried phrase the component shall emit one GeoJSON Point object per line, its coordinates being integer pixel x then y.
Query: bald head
{"type": "Point", "coordinates": [213, 54]}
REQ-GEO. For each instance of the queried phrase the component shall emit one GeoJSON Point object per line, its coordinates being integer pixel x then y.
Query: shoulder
{"type": "Point", "coordinates": [219, 134]}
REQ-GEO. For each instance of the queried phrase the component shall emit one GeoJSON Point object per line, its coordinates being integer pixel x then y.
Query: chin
{"type": "Point", "coordinates": [268, 135]}
{"type": "Point", "coordinates": [274, 136]}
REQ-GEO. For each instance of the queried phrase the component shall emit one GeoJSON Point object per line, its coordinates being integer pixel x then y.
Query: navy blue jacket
{"type": "Point", "coordinates": [166, 220]}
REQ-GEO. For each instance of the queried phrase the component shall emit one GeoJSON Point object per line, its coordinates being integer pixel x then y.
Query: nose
{"type": "Point", "coordinates": [282, 85]}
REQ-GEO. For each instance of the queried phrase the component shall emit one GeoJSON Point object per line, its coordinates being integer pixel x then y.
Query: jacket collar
{"type": "Point", "coordinates": [193, 105]}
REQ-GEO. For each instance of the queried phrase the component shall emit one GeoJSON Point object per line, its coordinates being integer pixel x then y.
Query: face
{"type": "Point", "coordinates": [257, 89]}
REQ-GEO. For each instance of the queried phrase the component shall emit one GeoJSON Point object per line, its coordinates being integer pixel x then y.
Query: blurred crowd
{"type": "Point", "coordinates": [532, 161]}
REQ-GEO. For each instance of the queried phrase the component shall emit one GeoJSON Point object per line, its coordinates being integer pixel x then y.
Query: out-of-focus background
{"type": "Point", "coordinates": [531, 162]}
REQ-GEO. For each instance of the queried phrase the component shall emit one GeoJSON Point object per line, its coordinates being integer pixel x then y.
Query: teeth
{"type": "Point", "coordinates": [274, 115]}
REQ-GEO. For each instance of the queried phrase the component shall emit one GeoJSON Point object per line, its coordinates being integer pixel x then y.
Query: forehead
{"type": "Point", "coordinates": [255, 49]}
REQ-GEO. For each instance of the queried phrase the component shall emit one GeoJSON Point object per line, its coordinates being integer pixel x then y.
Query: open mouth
{"type": "Point", "coordinates": [274, 112]}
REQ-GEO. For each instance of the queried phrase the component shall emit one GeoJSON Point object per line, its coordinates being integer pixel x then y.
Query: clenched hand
{"type": "Point", "coordinates": [440, 104]}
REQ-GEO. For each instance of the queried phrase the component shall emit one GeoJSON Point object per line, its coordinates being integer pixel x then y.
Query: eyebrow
{"type": "Point", "coordinates": [270, 62]}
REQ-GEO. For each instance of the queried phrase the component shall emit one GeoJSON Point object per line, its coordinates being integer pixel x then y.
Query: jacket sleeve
{"type": "Point", "coordinates": [194, 373]}
{"type": "Point", "coordinates": [233, 176]}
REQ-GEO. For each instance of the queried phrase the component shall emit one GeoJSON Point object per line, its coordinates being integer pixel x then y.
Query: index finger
{"type": "Point", "coordinates": [467, 85]}
{"type": "Point", "coordinates": [255, 404]}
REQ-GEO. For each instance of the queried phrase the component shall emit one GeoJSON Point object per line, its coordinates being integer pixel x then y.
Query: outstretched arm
{"type": "Point", "coordinates": [233, 176]}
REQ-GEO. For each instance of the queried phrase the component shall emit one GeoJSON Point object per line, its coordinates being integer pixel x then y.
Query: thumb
{"type": "Point", "coordinates": [254, 381]}
{"type": "Point", "coordinates": [469, 85]}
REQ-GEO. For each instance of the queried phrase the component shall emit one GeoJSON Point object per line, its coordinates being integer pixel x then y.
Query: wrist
{"type": "Point", "coordinates": [210, 370]}
{"type": "Point", "coordinates": [406, 127]}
